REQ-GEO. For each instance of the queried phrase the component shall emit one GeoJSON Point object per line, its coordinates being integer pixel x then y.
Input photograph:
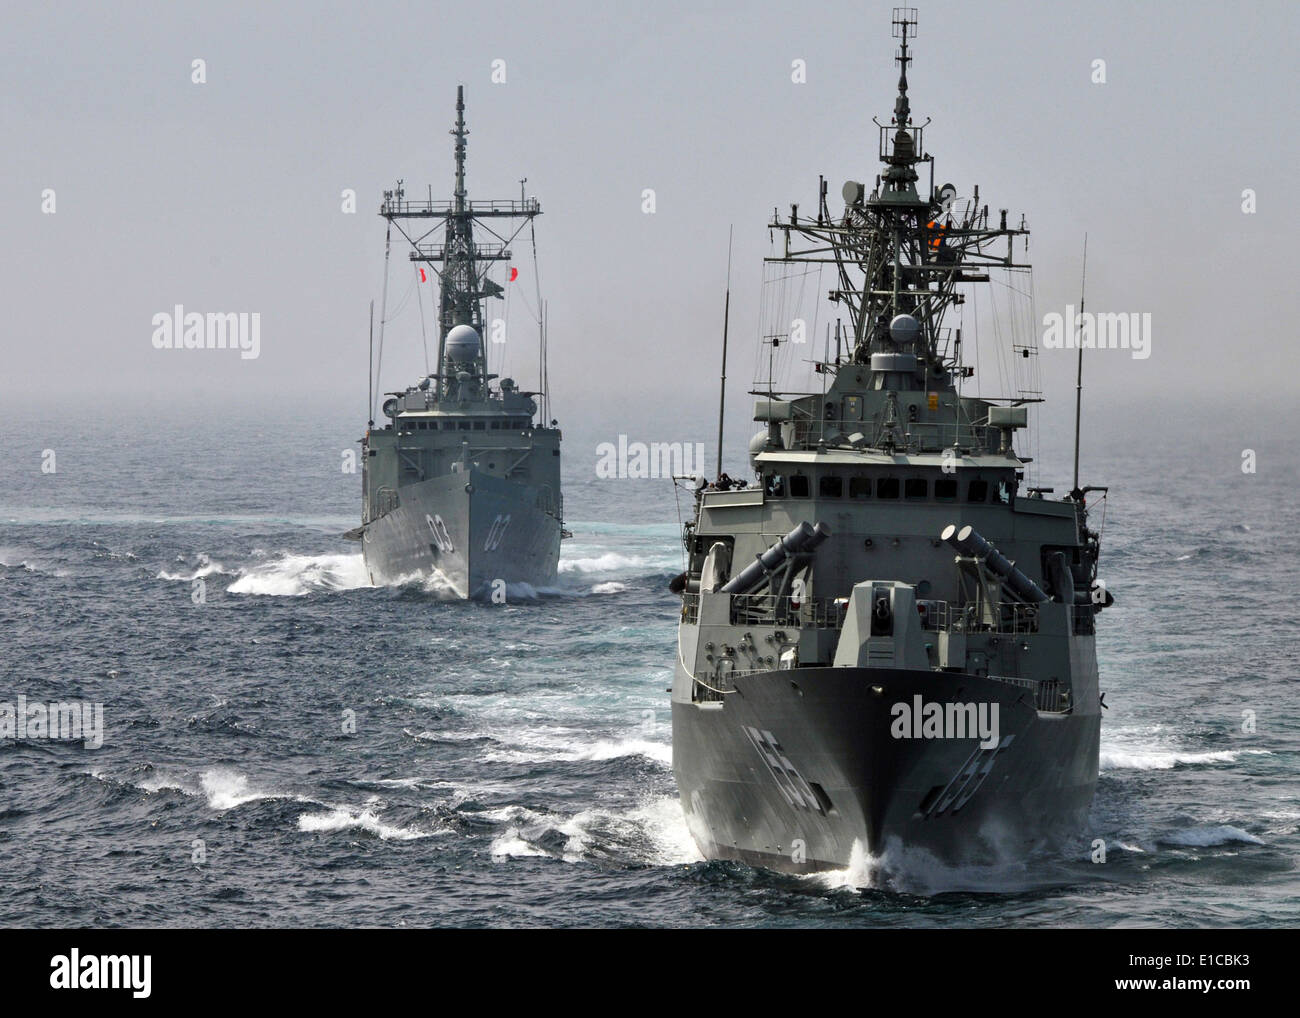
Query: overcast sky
{"type": "Point", "coordinates": [225, 196]}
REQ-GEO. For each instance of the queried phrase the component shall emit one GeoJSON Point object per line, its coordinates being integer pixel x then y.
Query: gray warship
{"type": "Point", "coordinates": [463, 483]}
{"type": "Point", "coordinates": [886, 641]}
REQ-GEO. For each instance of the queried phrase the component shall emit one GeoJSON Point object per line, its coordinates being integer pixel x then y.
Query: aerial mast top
{"type": "Point", "coordinates": [461, 132]}
{"type": "Point", "coordinates": [904, 19]}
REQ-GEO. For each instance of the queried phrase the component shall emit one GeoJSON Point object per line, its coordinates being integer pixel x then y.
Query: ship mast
{"type": "Point", "coordinates": [442, 236]}
{"type": "Point", "coordinates": [461, 301]}
{"type": "Point", "coordinates": [898, 251]}
{"type": "Point", "coordinates": [1075, 493]}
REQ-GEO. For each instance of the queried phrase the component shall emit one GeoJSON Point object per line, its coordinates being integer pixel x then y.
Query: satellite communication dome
{"type": "Point", "coordinates": [463, 344]}
{"type": "Point", "coordinates": [904, 329]}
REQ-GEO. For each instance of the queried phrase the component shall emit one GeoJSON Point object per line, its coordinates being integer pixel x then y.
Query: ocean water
{"type": "Point", "coordinates": [511, 764]}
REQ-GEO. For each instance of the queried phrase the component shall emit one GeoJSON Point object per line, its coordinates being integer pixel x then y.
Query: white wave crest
{"type": "Point", "coordinates": [435, 583]}
{"type": "Point", "coordinates": [342, 819]}
{"type": "Point", "coordinates": [606, 749]}
{"type": "Point", "coordinates": [222, 787]}
{"type": "Point", "coordinates": [1209, 836]}
{"type": "Point", "coordinates": [512, 845]}
{"type": "Point", "coordinates": [226, 789]}
{"type": "Point", "coordinates": [859, 874]}
{"type": "Point", "coordinates": [296, 575]}
{"type": "Point", "coordinates": [1160, 759]}
{"type": "Point", "coordinates": [607, 562]}
{"type": "Point", "coordinates": [205, 567]}
{"type": "Point", "coordinates": [652, 833]}
{"type": "Point", "coordinates": [16, 558]}
{"type": "Point", "coordinates": [541, 750]}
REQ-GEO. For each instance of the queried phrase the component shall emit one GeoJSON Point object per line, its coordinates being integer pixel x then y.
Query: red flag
{"type": "Point", "coordinates": [514, 274]}
{"type": "Point", "coordinates": [422, 276]}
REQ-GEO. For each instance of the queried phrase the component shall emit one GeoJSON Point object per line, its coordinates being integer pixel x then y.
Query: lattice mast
{"type": "Point", "coordinates": [448, 247]}
{"type": "Point", "coordinates": [897, 251]}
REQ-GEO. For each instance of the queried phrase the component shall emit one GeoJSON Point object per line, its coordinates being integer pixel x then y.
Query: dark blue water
{"type": "Point", "coordinates": [510, 764]}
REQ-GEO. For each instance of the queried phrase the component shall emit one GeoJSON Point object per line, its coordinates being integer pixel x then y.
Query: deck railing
{"type": "Point", "coordinates": [1011, 618]}
{"type": "Point", "coordinates": [1051, 696]}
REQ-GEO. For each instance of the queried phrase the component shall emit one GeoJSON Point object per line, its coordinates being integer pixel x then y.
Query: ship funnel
{"type": "Point", "coordinates": [801, 540]}
{"type": "Point", "coordinates": [968, 542]}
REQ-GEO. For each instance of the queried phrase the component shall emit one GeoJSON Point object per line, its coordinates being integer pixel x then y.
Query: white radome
{"type": "Point", "coordinates": [463, 344]}
{"type": "Point", "coordinates": [904, 329]}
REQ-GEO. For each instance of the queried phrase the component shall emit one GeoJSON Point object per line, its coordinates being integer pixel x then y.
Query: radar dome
{"type": "Point", "coordinates": [904, 329]}
{"type": "Point", "coordinates": [463, 344]}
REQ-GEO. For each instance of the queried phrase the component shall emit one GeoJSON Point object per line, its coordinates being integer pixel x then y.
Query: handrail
{"type": "Point", "coordinates": [1013, 617]}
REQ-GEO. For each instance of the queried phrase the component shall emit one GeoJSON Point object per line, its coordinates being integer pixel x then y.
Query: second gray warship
{"type": "Point", "coordinates": [887, 640]}
{"type": "Point", "coordinates": [462, 484]}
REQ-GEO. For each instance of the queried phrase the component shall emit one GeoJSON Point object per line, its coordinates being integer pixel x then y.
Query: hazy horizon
{"type": "Point", "coordinates": [225, 196]}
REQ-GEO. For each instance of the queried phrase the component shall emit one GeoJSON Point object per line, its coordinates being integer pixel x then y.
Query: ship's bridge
{"type": "Point", "coordinates": [880, 476]}
{"type": "Point", "coordinates": [464, 420]}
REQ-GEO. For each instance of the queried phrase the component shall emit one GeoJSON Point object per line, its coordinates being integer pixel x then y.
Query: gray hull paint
{"type": "Point", "coordinates": [471, 529]}
{"type": "Point", "coordinates": [807, 756]}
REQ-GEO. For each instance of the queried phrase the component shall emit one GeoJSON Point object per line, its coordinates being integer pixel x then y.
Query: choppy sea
{"type": "Point", "coordinates": [297, 748]}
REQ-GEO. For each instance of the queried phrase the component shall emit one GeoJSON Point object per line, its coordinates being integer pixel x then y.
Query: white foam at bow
{"type": "Point", "coordinates": [296, 575]}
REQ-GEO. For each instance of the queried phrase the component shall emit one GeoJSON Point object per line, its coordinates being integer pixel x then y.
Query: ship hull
{"type": "Point", "coordinates": [802, 770]}
{"type": "Point", "coordinates": [476, 534]}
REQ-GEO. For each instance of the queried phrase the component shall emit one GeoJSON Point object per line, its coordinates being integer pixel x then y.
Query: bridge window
{"type": "Point", "coordinates": [978, 491]}
{"type": "Point", "coordinates": [859, 487]}
{"type": "Point", "coordinates": [916, 487]}
{"type": "Point", "coordinates": [799, 486]}
{"type": "Point", "coordinates": [831, 486]}
{"type": "Point", "coordinates": [774, 485]}
{"type": "Point", "coordinates": [478, 426]}
{"type": "Point", "coordinates": [887, 487]}
{"type": "Point", "coordinates": [945, 489]}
